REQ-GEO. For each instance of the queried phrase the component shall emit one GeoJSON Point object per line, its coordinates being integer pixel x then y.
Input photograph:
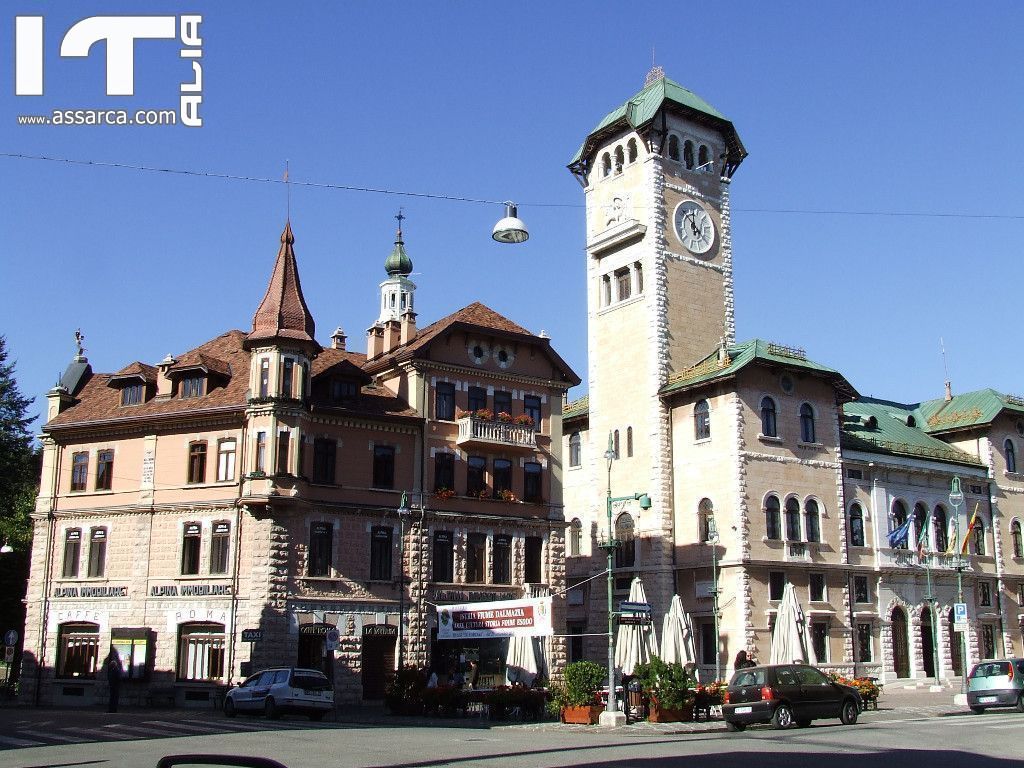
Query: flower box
{"type": "Point", "coordinates": [588, 715]}
{"type": "Point", "coordinates": [659, 715]}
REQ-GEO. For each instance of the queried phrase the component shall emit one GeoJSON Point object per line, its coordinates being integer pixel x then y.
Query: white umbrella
{"type": "Point", "coordinates": [789, 643]}
{"type": "Point", "coordinates": [635, 644]}
{"type": "Point", "coordinates": [527, 656]}
{"type": "Point", "coordinates": [677, 635]}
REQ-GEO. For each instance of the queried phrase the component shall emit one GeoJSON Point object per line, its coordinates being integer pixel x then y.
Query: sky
{"type": "Point", "coordinates": [853, 116]}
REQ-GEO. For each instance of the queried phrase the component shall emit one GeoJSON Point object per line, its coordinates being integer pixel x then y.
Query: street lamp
{"type": "Point", "coordinates": [510, 229]}
{"type": "Point", "coordinates": [611, 716]}
{"type": "Point", "coordinates": [933, 604]}
{"type": "Point", "coordinates": [713, 539]}
{"type": "Point", "coordinates": [6, 549]}
{"type": "Point", "coordinates": [403, 512]}
{"type": "Point", "coordinates": [956, 498]}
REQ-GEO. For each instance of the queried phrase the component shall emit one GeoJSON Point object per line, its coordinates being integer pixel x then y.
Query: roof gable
{"type": "Point", "coordinates": [971, 409]}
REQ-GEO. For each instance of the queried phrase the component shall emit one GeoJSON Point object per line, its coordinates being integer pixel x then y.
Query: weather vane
{"type": "Point", "coordinates": [79, 338]}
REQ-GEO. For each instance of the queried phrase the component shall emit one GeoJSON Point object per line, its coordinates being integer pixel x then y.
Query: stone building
{"type": "Point", "coordinates": [257, 483]}
{"type": "Point", "coordinates": [803, 478]}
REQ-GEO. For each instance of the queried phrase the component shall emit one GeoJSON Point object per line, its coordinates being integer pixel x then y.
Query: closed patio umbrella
{"type": "Point", "coordinates": [527, 657]}
{"type": "Point", "coordinates": [677, 635]}
{"type": "Point", "coordinates": [789, 643]}
{"type": "Point", "coordinates": [635, 644]}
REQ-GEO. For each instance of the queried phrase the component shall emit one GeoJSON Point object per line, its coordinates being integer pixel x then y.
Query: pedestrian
{"type": "Point", "coordinates": [115, 671]}
{"type": "Point", "coordinates": [742, 662]}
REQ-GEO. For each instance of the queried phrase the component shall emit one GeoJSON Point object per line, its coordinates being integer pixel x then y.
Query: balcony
{"type": "Point", "coordinates": [484, 432]}
{"type": "Point", "coordinates": [908, 558]}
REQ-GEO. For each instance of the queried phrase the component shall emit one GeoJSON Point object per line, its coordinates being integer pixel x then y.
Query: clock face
{"type": "Point", "coordinates": [694, 227]}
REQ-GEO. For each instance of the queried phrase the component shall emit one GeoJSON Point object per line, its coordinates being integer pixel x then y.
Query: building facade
{"type": "Point", "coordinates": [263, 500]}
{"type": "Point", "coordinates": [803, 478]}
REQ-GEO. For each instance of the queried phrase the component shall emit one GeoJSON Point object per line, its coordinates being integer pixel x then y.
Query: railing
{"type": "Point", "coordinates": [908, 558]}
{"type": "Point", "coordinates": [498, 432]}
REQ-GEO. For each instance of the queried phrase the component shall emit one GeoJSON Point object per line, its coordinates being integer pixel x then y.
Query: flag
{"type": "Point", "coordinates": [970, 529]}
{"type": "Point", "coordinates": [922, 538]}
{"type": "Point", "coordinates": [898, 538]}
{"type": "Point", "coordinates": [953, 543]}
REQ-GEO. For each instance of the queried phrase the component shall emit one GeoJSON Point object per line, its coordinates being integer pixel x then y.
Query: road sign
{"type": "Point", "coordinates": [960, 613]}
{"type": "Point", "coordinates": [251, 635]}
{"type": "Point", "coordinates": [959, 626]}
{"type": "Point", "coordinates": [11, 637]}
{"type": "Point", "coordinates": [332, 640]}
{"type": "Point", "coordinates": [635, 621]}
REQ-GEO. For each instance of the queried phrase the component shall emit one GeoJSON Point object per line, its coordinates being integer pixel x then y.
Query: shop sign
{"type": "Point", "coordinates": [380, 630]}
{"type": "Point", "coordinates": [190, 590]}
{"type": "Point", "coordinates": [502, 618]}
{"type": "Point", "coordinates": [251, 635]}
{"type": "Point", "coordinates": [466, 596]}
{"type": "Point", "coordinates": [90, 591]}
{"type": "Point", "coordinates": [315, 629]}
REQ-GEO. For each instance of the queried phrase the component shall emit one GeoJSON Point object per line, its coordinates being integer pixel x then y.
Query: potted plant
{"type": "Point", "coordinates": [505, 416]}
{"type": "Point", "coordinates": [523, 420]}
{"type": "Point", "coordinates": [669, 690]}
{"type": "Point", "coordinates": [484, 413]}
{"type": "Point", "coordinates": [443, 493]}
{"type": "Point", "coordinates": [403, 694]}
{"type": "Point", "coordinates": [579, 699]}
{"type": "Point", "coordinates": [507, 495]}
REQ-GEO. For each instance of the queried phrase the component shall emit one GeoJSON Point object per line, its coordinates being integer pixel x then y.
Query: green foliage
{"type": "Point", "coordinates": [19, 465]}
{"type": "Point", "coordinates": [583, 679]}
{"type": "Point", "coordinates": [667, 683]}
{"type": "Point", "coordinates": [404, 692]}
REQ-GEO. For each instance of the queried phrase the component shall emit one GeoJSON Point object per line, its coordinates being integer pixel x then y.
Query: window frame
{"type": "Point", "coordinates": [1017, 543]}
{"type": "Point", "coordinates": [1010, 453]}
{"type": "Point", "coordinates": [211, 636]}
{"type": "Point", "coordinates": [501, 559]}
{"type": "Point", "coordinates": [220, 547]}
{"type": "Point", "coordinates": [72, 556]}
{"type": "Point", "coordinates": [196, 471]}
{"type": "Point", "coordinates": [133, 394]}
{"type": "Point", "coordinates": [769, 417]}
{"type": "Point", "coordinates": [533, 559]}
{"type": "Point", "coordinates": [575, 537]}
{"type": "Point", "coordinates": [261, 452]}
{"type": "Point", "coordinates": [812, 521]}
{"type": "Point", "coordinates": [808, 431]}
{"type": "Point", "coordinates": [325, 460]}
{"type": "Point", "coordinates": [501, 476]}
{"type": "Point", "coordinates": [98, 537]}
{"type": "Point", "coordinates": [817, 584]}
{"type": "Point", "coordinates": [625, 533]}
{"type": "Point", "coordinates": [859, 580]}
{"type": "Point", "coordinates": [227, 456]}
{"type": "Point", "coordinates": [382, 541]}
{"type": "Point", "coordinates": [773, 577]}
{"type": "Point", "coordinates": [575, 450]}
{"type": "Point", "coordinates": [443, 561]}
{"type": "Point", "coordinates": [384, 466]}
{"type": "Point", "coordinates": [773, 518]}
{"type": "Point", "coordinates": [792, 522]}
{"type": "Point", "coordinates": [104, 480]}
{"type": "Point", "coordinates": [532, 408]}
{"type": "Point", "coordinates": [444, 401]}
{"type": "Point", "coordinates": [320, 552]}
{"type": "Point", "coordinates": [86, 637]}
{"type": "Point", "coordinates": [79, 471]}
{"type": "Point", "coordinates": [476, 399]}
{"type": "Point", "coordinates": [980, 545]}
{"type": "Point", "coordinates": [265, 377]}
{"type": "Point", "coordinates": [702, 420]}
{"type": "Point", "coordinates": [191, 548]}
{"type": "Point", "coordinates": [476, 557]}
{"type": "Point", "coordinates": [476, 475]}
{"type": "Point", "coordinates": [533, 482]}
{"type": "Point", "coordinates": [191, 386]}
{"type": "Point", "coordinates": [857, 536]}
{"type": "Point", "coordinates": [444, 471]}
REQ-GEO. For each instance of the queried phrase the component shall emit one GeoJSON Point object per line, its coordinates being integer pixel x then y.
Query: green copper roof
{"type": "Point", "coordinates": [577, 408]}
{"type": "Point", "coordinates": [881, 426]}
{"type": "Point", "coordinates": [739, 356]}
{"type": "Point", "coordinates": [642, 108]}
{"type": "Point", "coordinates": [398, 261]}
{"type": "Point", "coordinates": [971, 409]}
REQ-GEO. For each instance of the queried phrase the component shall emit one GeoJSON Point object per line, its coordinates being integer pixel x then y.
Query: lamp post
{"type": "Point", "coordinates": [403, 512]}
{"type": "Point", "coordinates": [933, 604]}
{"type": "Point", "coordinates": [612, 716]}
{"type": "Point", "coordinates": [712, 531]}
{"type": "Point", "coordinates": [956, 498]}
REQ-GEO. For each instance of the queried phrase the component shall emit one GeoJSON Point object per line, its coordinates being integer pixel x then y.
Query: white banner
{"type": "Point", "coordinates": [501, 618]}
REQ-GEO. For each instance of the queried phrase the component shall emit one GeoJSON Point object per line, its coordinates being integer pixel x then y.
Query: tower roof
{"type": "Point", "coordinates": [398, 261]}
{"type": "Point", "coordinates": [639, 111]}
{"type": "Point", "coordinates": [283, 313]}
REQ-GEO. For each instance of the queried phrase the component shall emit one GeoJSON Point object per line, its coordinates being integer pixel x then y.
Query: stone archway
{"type": "Point", "coordinates": [900, 643]}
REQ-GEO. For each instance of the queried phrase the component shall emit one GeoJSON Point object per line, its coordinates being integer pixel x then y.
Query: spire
{"type": "Point", "coordinates": [398, 262]}
{"type": "Point", "coordinates": [283, 313]}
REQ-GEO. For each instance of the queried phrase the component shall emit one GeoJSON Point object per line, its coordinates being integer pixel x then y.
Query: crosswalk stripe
{"type": "Point", "coordinates": [1003, 727]}
{"type": "Point", "coordinates": [188, 727]}
{"type": "Point", "coordinates": [95, 736]}
{"type": "Point", "coordinates": [60, 737]}
{"type": "Point", "coordinates": [137, 729]}
{"type": "Point", "coordinates": [13, 742]}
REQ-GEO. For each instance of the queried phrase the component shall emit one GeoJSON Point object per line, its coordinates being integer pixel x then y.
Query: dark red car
{"type": "Point", "coordinates": [786, 695]}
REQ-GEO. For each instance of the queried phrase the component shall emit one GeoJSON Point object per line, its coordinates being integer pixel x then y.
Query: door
{"type": "Point", "coordinates": [955, 648]}
{"type": "Point", "coordinates": [818, 697]}
{"type": "Point", "coordinates": [900, 649]}
{"type": "Point", "coordinates": [927, 643]}
{"type": "Point", "coordinates": [378, 659]}
{"type": "Point", "coordinates": [260, 689]}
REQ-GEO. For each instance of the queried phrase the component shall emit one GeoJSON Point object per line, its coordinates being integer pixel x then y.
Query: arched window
{"type": "Point", "coordinates": [856, 526]}
{"type": "Point", "coordinates": [807, 423]}
{"type": "Point", "coordinates": [772, 518]}
{"type": "Point", "coordinates": [574, 449]}
{"type": "Point", "coordinates": [620, 160]}
{"type": "Point", "coordinates": [1018, 545]}
{"type": "Point", "coordinates": [792, 520]}
{"type": "Point", "coordinates": [704, 512]}
{"type": "Point", "coordinates": [979, 538]}
{"type": "Point", "coordinates": [631, 150]}
{"type": "Point", "coordinates": [629, 441]}
{"type": "Point", "coordinates": [899, 517]}
{"type": "Point", "coordinates": [606, 164]}
{"type": "Point", "coordinates": [688, 154]}
{"type": "Point", "coordinates": [625, 555]}
{"type": "Point", "coordinates": [769, 425]}
{"type": "Point", "coordinates": [704, 158]}
{"type": "Point", "coordinates": [1011, 456]}
{"type": "Point", "coordinates": [701, 420]}
{"type": "Point", "coordinates": [941, 525]}
{"type": "Point", "coordinates": [615, 444]}
{"type": "Point", "coordinates": [920, 520]}
{"type": "Point", "coordinates": [575, 538]}
{"type": "Point", "coordinates": [673, 147]}
{"type": "Point", "coordinates": [812, 520]}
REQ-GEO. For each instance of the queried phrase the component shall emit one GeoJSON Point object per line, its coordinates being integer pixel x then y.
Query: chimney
{"type": "Point", "coordinates": [408, 328]}
{"type": "Point", "coordinates": [949, 391]}
{"type": "Point", "coordinates": [374, 341]}
{"type": "Point", "coordinates": [57, 399]}
{"type": "Point", "coordinates": [392, 333]}
{"type": "Point", "coordinates": [163, 381]}
{"type": "Point", "coordinates": [338, 339]}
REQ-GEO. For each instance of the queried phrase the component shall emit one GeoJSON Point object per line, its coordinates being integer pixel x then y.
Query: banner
{"type": "Point", "coordinates": [502, 618]}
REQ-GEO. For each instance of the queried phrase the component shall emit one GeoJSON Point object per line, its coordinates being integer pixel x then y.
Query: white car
{"type": "Point", "coordinates": [282, 689]}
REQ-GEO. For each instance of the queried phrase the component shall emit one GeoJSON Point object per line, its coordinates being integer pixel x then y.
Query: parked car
{"type": "Point", "coordinates": [787, 694]}
{"type": "Point", "coordinates": [282, 689]}
{"type": "Point", "coordinates": [998, 683]}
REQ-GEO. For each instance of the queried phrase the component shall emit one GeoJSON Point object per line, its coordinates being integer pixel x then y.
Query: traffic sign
{"type": "Point", "coordinates": [959, 626]}
{"type": "Point", "coordinates": [251, 635]}
{"type": "Point", "coordinates": [332, 639]}
{"type": "Point", "coordinates": [960, 613]}
{"type": "Point", "coordinates": [9, 654]}
{"type": "Point", "coordinates": [11, 637]}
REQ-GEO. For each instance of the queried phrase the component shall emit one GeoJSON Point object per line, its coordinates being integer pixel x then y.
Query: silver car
{"type": "Point", "coordinates": [998, 683]}
{"type": "Point", "coordinates": [282, 689]}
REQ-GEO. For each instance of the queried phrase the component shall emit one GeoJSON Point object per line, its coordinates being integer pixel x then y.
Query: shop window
{"type": "Point", "coordinates": [861, 592]}
{"type": "Point", "coordinates": [444, 401]}
{"type": "Point", "coordinates": [444, 471]}
{"type": "Point", "coordinates": [575, 449]}
{"type": "Point", "coordinates": [287, 373]}
{"type": "Point", "coordinates": [444, 556]}
{"type": "Point", "coordinates": [575, 538]}
{"type": "Point", "coordinates": [531, 407]}
{"type": "Point", "coordinates": [533, 549]}
{"type": "Point", "coordinates": [792, 520]}
{"type": "Point", "coordinates": [807, 434]}
{"type": "Point", "coordinates": [79, 470]}
{"type": "Point", "coordinates": [104, 470]}
{"type": "Point", "coordinates": [220, 546]}
{"type": "Point", "coordinates": [477, 398]}
{"type": "Point", "coordinates": [502, 403]}
{"type": "Point", "coordinates": [772, 518]}
{"type": "Point", "coordinates": [284, 440]}
{"type": "Point", "coordinates": [816, 587]}
{"type": "Point", "coordinates": [856, 526]}
{"type": "Point", "coordinates": [384, 466]}
{"type": "Point", "coordinates": [324, 459]}
{"type": "Point", "coordinates": [264, 377]}
{"type": "Point", "coordinates": [769, 423]}
{"type": "Point", "coordinates": [201, 652]}
{"type": "Point", "coordinates": [380, 552]}
{"type": "Point", "coordinates": [321, 549]}
{"type": "Point", "coordinates": [776, 584]}
{"type": "Point", "coordinates": [701, 420]}
{"type": "Point", "coordinates": [72, 553]}
{"type": "Point", "coordinates": [476, 557]}
{"type": "Point", "coordinates": [78, 651]}
{"type": "Point", "coordinates": [97, 552]}
{"type": "Point", "coordinates": [532, 482]}
{"type": "Point", "coordinates": [502, 476]}
{"type": "Point", "coordinates": [812, 521]}
{"type": "Point", "coordinates": [197, 462]}
{"type": "Point", "coordinates": [191, 543]}
{"type": "Point", "coordinates": [225, 461]}
{"type": "Point", "coordinates": [864, 643]}
{"type": "Point", "coordinates": [625, 553]}
{"type": "Point", "coordinates": [261, 452]}
{"type": "Point", "coordinates": [475, 481]}
{"type": "Point", "coordinates": [133, 645]}
{"type": "Point", "coordinates": [502, 560]}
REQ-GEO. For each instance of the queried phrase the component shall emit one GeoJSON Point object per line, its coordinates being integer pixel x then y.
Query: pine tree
{"type": "Point", "coordinates": [18, 465]}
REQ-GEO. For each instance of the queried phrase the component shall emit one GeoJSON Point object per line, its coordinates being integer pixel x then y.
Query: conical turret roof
{"type": "Point", "coordinates": [283, 313]}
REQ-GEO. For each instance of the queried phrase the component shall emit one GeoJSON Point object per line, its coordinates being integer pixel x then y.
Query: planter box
{"type": "Point", "coordinates": [582, 715]}
{"type": "Point", "coordinates": [659, 715]}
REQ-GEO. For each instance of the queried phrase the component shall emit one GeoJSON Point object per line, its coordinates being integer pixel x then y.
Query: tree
{"type": "Point", "coordinates": [18, 462]}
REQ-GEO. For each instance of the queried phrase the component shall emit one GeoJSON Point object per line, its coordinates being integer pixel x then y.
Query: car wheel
{"type": "Point", "coordinates": [229, 708]}
{"type": "Point", "coordinates": [316, 716]}
{"type": "Point", "coordinates": [270, 709]}
{"type": "Point", "coordinates": [803, 723]}
{"type": "Point", "coordinates": [978, 710]}
{"type": "Point", "coordinates": [783, 717]}
{"type": "Point", "coordinates": [735, 727]}
{"type": "Point", "coordinates": [850, 711]}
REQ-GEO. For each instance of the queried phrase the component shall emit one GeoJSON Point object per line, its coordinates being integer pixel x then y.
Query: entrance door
{"type": "Point", "coordinates": [378, 659]}
{"type": "Point", "coordinates": [900, 652]}
{"type": "Point", "coordinates": [927, 643]}
{"type": "Point", "coordinates": [955, 648]}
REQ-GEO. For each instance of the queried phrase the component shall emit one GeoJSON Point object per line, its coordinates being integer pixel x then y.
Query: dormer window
{"type": "Point", "coordinates": [133, 394]}
{"type": "Point", "coordinates": [342, 389]}
{"type": "Point", "coordinates": [192, 386]}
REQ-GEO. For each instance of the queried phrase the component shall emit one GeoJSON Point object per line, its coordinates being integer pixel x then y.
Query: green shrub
{"type": "Point", "coordinates": [583, 680]}
{"type": "Point", "coordinates": [668, 684]}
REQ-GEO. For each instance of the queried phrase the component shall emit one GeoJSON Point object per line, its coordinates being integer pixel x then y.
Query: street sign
{"type": "Point", "coordinates": [960, 613]}
{"type": "Point", "coordinates": [332, 640]}
{"type": "Point", "coordinates": [627, 607]}
{"type": "Point", "coordinates": [251, 635]}
{"type": "Point", "coordinates": [9, 654]}
{"type": "Point", "coordinates": [959, 626]}
{"type": "Point", "coordinates": [11, 637]}
{"type": "Point", "coordinates": [635, 621]}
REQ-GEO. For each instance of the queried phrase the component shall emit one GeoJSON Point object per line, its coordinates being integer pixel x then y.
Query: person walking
{"type": "Point", "coordinates": [742, 662]}
{"type": "Point", "coordinates": [115, 671]}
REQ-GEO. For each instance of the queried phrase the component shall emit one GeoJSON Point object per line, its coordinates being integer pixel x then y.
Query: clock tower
{"type": "Point", "coordinates": [655, 173]}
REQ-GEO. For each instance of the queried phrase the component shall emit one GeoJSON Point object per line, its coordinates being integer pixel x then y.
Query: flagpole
{"type": "Point", "coordinates": [922, 542]}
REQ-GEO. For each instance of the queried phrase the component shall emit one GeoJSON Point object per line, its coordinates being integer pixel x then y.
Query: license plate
{"type": "Point", "coordinates": [987, 699]}
{"type": "Point", "coordinates": [743, 710]}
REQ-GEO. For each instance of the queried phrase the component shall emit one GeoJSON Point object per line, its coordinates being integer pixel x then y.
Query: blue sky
{"type": "Point", "coordinates": [866, 107]}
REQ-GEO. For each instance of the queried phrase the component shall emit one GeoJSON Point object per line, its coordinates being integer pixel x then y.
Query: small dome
{"type": "Point", "coordinates": [398, 262]}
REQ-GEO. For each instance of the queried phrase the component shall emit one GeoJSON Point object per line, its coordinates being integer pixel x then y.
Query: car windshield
{"type": "Point", "coordinates": [310, 681]}
{"type": "Point", "coordinates": [748, 677]}
{"type": "Point", "coordinates": [991, 669]}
